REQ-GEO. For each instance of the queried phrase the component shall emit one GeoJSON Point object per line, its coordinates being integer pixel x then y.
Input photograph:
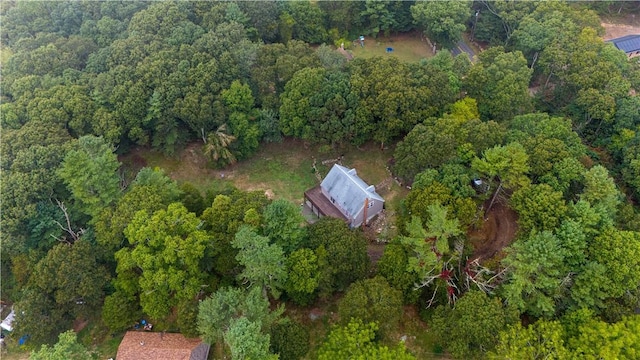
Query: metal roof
{"type": "Point", "coordinates": [348, 190]}
{"type": "Point", "coordinates": [628, 44]}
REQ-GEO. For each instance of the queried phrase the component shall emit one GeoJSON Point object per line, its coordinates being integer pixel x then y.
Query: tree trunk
{"type": "Point", "coordinates": [493, 199]}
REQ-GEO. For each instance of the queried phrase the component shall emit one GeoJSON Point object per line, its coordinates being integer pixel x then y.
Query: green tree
{"type": "Point", "coordinates": [90, 172]}
{"type": "Point", "coordinates": [471, 327]}
{"type": "Point", "coordinates": [341, 252]}
{"type": "Point", "coordinates": [393, 267]}
{"type": "Point", "coordinates": [541, 340]}
{"type": "Point", "coordinates": [385, 111]}
{"type": "Point", "coordinates": [537, 274]}
{"type": "Point", "coordinates": [356, 341]}
{"type": "Point", "coordinates": [600, 190]}
{"type": "Point", "coordinates": [508, 165]}
{"type": "Point", "coordinates": [216, 146]}
{"type": "Point", "coordinates": [264, 263]}
{"type": "Point", "coordinates": [120, 311]}
{"type": "Point", "coordinates": [217, 312]}
{"type": "Point", "coordinates": [618, 251]}
{"type": "Point", "coordinates": [283, 225]}
{"type": "Point", "coordinates": [290, 340]}
{"type": "Point", "coordinates": [442, 21]}
{"type": "Point", "coordinates": [67, 348]}
{"type": "Point", "coordinates": [372, 300]}
{"type": "Point", "coordinates": [303, 276]}
{"type": "Point", "coordinates": [166, 251]}
{"type": "Point", "coordinates": [308, 23]}
{"type": "Point", "coordinates": [539, 208]}
{"type": "Point", "coordinates": [500, 83]}
{"type": "Point", "coordinates": [246, 340]}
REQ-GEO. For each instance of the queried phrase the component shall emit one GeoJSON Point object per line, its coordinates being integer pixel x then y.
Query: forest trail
{"type": "Point", "coordinates": [497, 232]}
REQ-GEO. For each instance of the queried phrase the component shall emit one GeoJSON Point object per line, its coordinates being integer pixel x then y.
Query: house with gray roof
{"type": "Point", "coordinates": [344, 195]}
{"type": "Point", "coordinates": [630, 44]}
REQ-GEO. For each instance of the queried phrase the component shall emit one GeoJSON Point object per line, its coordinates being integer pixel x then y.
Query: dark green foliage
{"type": "Point", "coordinates": [471, 327]}
{"type": "Point", "coordinates": [372, 300]}
{"type": "Point", "coordinates": [393, 267]}
{"type": "Point", "coordinates": [343, 255]}
{"type": "Point", "coordinates": [289, 340]}
{"type": "Point", "coordinates": [120, 311]}
{"type": "Point", "coordinates": [187, 318]}
{"type": "Point", "coordinates": [192, 198]}
{"type": "Point", "coordinates": [500, 83]}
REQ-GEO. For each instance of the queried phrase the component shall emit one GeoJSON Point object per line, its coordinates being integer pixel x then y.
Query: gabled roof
{"type": "Point", "coordinates": [348, 190]}
{"type": "Point", "coordinates": [144, 345]}
{"type": "Point", "coordinates": [628, 44]}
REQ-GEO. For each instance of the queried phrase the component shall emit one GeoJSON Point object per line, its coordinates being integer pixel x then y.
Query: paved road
{"type": "Point", "coordinates": [461, 47]}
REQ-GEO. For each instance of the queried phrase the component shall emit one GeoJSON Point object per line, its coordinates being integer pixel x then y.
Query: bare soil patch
{"type": "Point", "coordinates": [613, 31]}
{"type": "Point", "coordinates": [497, 232]}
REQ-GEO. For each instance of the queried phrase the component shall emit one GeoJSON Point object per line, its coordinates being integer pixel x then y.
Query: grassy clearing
{"type": "Point", "coordinates": [408, 47]}
{"type": "Point", "coordinates": [282, 169]}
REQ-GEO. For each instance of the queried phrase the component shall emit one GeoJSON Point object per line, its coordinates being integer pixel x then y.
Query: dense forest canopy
{"type": "Point", "coordinates": [547, 117]}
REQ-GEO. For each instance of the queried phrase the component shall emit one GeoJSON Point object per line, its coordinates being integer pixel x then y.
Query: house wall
{"type": "Point", "coordinates": [371, 213]}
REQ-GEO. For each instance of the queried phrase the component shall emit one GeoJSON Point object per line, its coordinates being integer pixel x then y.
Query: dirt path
{"type": "Point", "coordinates": [498, 231]}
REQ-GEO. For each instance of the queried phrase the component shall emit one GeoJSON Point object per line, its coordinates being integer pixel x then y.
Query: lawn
{"type": "Point", "coordinates": [283, 170]}
{"type": "Point", "coordinates": [408, 47]}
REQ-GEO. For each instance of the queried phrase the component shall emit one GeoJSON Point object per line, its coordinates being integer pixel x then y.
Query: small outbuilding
{"type": "Point", "coordinates": [145, 345]}
{"type": "Point", "coordinates": [344, 195]}
{"type": "Point", "coordinates": [630, 44]}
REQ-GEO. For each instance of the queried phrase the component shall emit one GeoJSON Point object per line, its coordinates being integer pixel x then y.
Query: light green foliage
{"type": "Point", "coordinates": [541, 340]}
{"type": "Point", "coordinates": [111, 222]}
{"type": "Point", "coordinates": [167, 247]}
{"type": "Point", "coordinates": [539, 208]}
{"type": "Point", "coordinates": [536, 272]}
{"type": "Point", "coordinates": [341, 252]}
{"type": "Point", "coordinates": [599, 340]}
{"type": "Point", "coordinates": [303, 275]}
{"type": "Point", "coordinates": [246, 340]}
{"type": "Point", "coordinates": [264, 263]}
{"type": "Point", "coordinates": [430, 242]}
{"type": "Point", "coordinates": [500, 84]}
{"type": "Point", "coordinates": [600, 190]}
{"type": "Point", "coordinates": [290, 340]}
{"type": "Point", "coordinates": [377, 16]}
{"type": "Point", "coordinates": [442, 21]}
{"type": "Point", "coordinates": [90, 172]}
{"type": "Point", "coordinates": [619, 252]}
{"type": "Point", "coordinates": [471, 327]}
{"type": "Point", "coordinates": [167, 188]}
{"type": "Point", "coordinates": [67, 348]}
{"type": "Point", "coordinates": [372, 300]}
{"type": "Point", "coordinates": [283, 225]}
{"type": "Point", "coordinates": [356, 341]}
{"type": "Point", "coordinates": [216, 312]}
{"type": "Point", "coordinates": [509, 164]}
{"type": "Point", "coordinates": [222, 220]}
